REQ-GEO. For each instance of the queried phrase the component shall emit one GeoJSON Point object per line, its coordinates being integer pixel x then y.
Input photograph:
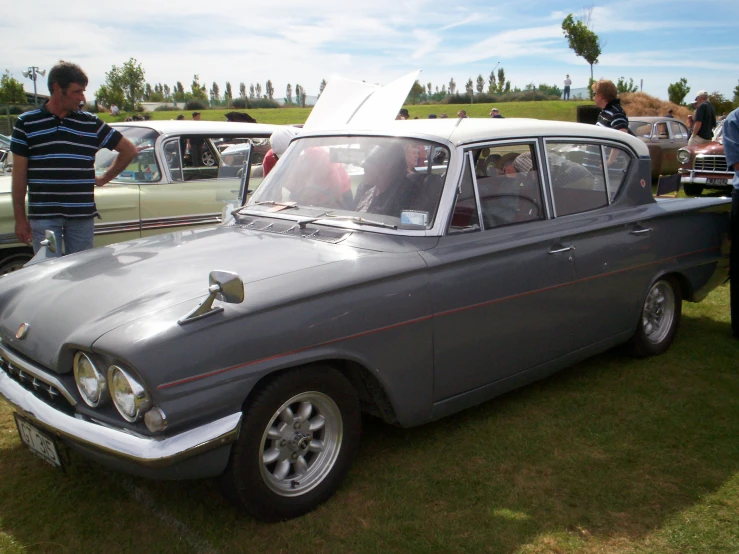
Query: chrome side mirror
{"type": "Point", "coordinates": [224, 286]}
{"type": "Point", "coordinates": [49, 241]}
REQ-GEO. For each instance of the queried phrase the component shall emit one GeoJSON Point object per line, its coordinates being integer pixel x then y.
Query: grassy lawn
{"type": "Point", "coordinates": [553, 110]}
{"type": "Point", "coordinates": [614, 455]}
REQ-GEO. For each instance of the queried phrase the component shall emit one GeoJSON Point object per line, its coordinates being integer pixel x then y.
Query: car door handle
{"type": "Point", "coordinates": [641, 231]}
{"type": "Point", "coordinates": [563, 249]}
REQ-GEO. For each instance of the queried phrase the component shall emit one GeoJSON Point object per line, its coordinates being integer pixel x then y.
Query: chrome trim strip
{"type": "Point", "coordinates": [180, 221]}
{"type": "Point", "coordinates": [9, 238]}
{"type": "Point", "coordinates": [475, 190]}
{"type": "Point", "coordinates": [604, 164]}
{"type": "Point", "coordinates": [145, 451]}
{"type": "Point", "coordinates": [38, 372]}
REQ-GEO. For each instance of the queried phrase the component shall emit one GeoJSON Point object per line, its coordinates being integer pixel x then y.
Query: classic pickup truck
{"type": "Point", "coordinates": [408, 270]}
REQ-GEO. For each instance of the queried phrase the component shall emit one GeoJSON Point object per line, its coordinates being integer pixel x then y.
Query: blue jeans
{"type": "Point", "coordinates": [76, 234]}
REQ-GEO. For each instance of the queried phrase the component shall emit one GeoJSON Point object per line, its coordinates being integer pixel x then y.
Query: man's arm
{"type": "Point", "coordinates": [20, 185]}
{"type": "Point", "coordinates": [697, 127]}
{"type": "Point", "coordinates": [126, 152]}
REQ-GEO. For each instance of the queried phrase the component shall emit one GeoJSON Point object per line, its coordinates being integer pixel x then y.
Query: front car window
{"type": "Point", "coordinates": [144, 167]}
{"type": "Point", "coordinates": [640, 128]}
{"type": "Point", "coordinates": [396, 181]}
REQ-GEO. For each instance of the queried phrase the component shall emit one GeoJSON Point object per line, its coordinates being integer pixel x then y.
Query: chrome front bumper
{"type": "Point", "coordinates": [689, 176]}
{"type": "Point", "coordinates": [127, 448]}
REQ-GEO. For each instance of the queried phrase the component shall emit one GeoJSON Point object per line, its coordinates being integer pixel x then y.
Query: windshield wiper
{"type": "Point", "coordinates": [361, 221]}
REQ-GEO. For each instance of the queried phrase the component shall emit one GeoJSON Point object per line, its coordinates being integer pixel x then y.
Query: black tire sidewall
{"type": "Point", "coordinates": [640, 345]}
{"type": "Point", "coordinates": [243, 480]}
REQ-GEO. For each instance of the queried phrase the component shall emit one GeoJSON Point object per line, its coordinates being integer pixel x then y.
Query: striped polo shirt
{"type": "Point", "coordinates": [613, 116]}
{"type": "Point", "coordinates": [61, 160]}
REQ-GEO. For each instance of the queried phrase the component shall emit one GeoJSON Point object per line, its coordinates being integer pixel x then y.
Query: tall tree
{"type": "Point", "coordinates": [622, 86]}
{"type": "Point", "coordinates": [321, 87]}
{"type": "Point", "coordinates": [228, 94]}
{"type": "Point", "coordinates": [468, 87]}
{"type": "Point", "coordinates": [678, 91]}
{"type": "Point", "coordinates": [429, 88]}
{"type": "Point", "coordinates": [289, 94]}
{"type": "Point", "coordinates": [197, 90]}
{"type": "Point", "coordinates": [258, 90]}
{"type": "Point", "coordinates": [11, 90]}
{"type": "Point", "coordinates": [501, 81]}
{"type": "Point", "coordinates": [452, 86]}
{"type": "Point", "coordinates": [415, 94]}
{"type": "Point", "coordinates": [147, 92]}
{"type": "Point", "coordinates": [242, 90]}
{"type": "Point", "coordinates": [125, 84]}
{"type": "Point", "coordinates": [215, 92]}
{"type": "Point", "coordinates": [166, 92]}
{"type": "Point", "coordinates": [491, 82]}
{"type": "Point", "coordinates": [583, 41]}
{"type": "Point", "coordinates": [251, 90]}
{"type": "Point", "coordinates": [480, 84]}
{"type": "Point", "coordinates": [300, 96]}
{"type": "Point", "coordinates": [269, 90]}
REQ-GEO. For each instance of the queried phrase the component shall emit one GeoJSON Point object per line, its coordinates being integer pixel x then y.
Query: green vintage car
{"type": "Point", "coordinates": [185, 175]}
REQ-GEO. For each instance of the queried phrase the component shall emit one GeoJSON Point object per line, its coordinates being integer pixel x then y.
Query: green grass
{"type": "Point", "coordinates": [551, 109]}
{"type": "Point", "coordinates": [614, 455]}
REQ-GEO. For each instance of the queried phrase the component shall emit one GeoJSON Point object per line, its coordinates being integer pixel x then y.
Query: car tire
{"type": "Point", "coordinates": [14, 263]}
{"type": "Point", "coordinates": [279, 467]}
{"type": "Point", "coordinates": [659, 318]}
{"type": "Point", "coordinates": [207, 158]}
{"type": "Point", "coordinates": [691, 189]}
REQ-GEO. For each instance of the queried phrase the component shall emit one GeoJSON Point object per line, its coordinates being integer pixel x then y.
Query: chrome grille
{"type": "Point", "coordinates": [711, 164]}
{"type": "Point", "coordinates": [47, 389]}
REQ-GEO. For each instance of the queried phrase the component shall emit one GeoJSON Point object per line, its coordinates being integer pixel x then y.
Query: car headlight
{"type": "Point", "coordinates": [683, 156]}
{"type": "Point", "coordinates": [90, 382]}
{"type": "Point", "coordinates": [129, 397]}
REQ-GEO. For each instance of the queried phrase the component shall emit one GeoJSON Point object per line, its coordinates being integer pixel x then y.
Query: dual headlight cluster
{"type": "Point", "coordinates": [129, 397]}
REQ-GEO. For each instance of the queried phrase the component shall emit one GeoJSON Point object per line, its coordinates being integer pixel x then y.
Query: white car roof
{"type": "Point", "coordinates": [215, 128]}
{"type": "Point", "coordinates": [462, 131]}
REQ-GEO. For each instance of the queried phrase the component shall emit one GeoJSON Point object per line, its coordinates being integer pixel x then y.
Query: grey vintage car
{"type": "Point", "coordinates": [408, 271]}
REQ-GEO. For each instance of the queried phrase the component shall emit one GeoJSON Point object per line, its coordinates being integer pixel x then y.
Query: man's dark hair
{"type": "Point", "coordinates": [66, 73]}
{"type": "Point", "coordinates": [195, 114]}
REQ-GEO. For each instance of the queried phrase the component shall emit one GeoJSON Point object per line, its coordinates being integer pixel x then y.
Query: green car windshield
{"type": "Point", "coordinates": [144, 167]}
{"type": "Point", "coordinates": [396, 182]}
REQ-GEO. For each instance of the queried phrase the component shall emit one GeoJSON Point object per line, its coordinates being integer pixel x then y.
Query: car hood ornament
{"type": "Point", "coordinates": [22, 331]}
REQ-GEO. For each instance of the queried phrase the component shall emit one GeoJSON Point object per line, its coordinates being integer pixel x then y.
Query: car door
{"type": "Point", "coordinates": [499, 285]}
{"type": "Point", "coordinates": [118, 206]}
{"type": "Point", "coordinates": [201, 184]}
{"type": "Point", "coordinates": [612, 245]}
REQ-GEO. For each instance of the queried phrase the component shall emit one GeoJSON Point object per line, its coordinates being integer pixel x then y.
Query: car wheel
{"type": "Point", "coordinates": [691, 189]}
{"type": "Point", "coordinates": [298, 439]}
{"type": "Point", "coordinates": [14, 263]}
{"type": "Point", "coordinates": [207, 158]}
{"type": "Point", "coordinates": [659, 319]}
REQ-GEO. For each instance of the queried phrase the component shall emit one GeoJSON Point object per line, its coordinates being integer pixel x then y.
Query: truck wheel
{"type": "Point", "coordinates": [691, 189]}
{"type": "Point", "coordinates": [298, 439]}
{"type": "Point", "coordinates": [14, 263]}
{"type": "Point", "coordinates": [659, 319]}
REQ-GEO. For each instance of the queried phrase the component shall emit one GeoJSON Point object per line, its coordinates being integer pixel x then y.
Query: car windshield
{"type": "Point", "coordinates": [641, 128]}
{"type": "Point", "coordinates": [144, 167]}
{"type": "Point", "coordinates": [718, 132]}
{"type": "Point", "coordinates": [379, 181]}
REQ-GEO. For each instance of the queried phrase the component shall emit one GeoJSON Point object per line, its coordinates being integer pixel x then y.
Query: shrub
{"type": "Point", "coordinates": [166, 108]}
{"type": "Point", "coordinates": [239, 103]}
{"type": "Point", "coordinates": [263, 103]}
{"type": "Point", "coordinates": [196, 105]}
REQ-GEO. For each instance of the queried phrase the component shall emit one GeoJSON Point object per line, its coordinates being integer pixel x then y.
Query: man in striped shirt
{"type": "Point", "coordinates": [612, 114]}
{"type": "Point", "coordinates": [54, 151]}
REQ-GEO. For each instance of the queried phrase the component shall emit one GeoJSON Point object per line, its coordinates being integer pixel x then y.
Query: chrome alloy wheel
{"type": "Point", "coordinates": [207, 158]}
{"type": "Point", "coordinates": [659, 312]}
{"type": "Point", "coordinates": [301, 444]}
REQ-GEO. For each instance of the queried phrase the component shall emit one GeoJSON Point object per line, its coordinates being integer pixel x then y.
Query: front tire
{"type": "Point", "coordinates": [298, 439]}
{"type": "Point", "coordinates": [14, 263]}
{"type": "Point", "coordinates": [691, 189]}
{"type": "Point", "coordinates": [659, 319]}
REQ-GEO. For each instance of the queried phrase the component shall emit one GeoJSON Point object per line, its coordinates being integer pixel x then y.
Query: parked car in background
{"type": "Point", "coordinates": [162, 189]}
{"type": "Point", "coordinates": [704, 166]}
{"type": "Point", "coordinates": [407, 270]}
{"type": "Point", "coordinates": [664, 136]}
{"type": "Point", "coordinates": [5, 156]}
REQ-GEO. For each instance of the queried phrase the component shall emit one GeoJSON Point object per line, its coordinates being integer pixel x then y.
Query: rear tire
{"type": "Point", "coordinates": [659, 319]}
{"type": "Point", "coordinates": [14, 263]}
{"type": "Point", "coordinates": [298, 439]}
{"type": "Point", "coordinates": [691, 189]}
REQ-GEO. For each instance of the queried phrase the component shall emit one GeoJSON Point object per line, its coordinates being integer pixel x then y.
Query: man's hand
{"type": "Point", "coordinates": [23, 231]}
{"type": "Point", "coordinates": [100, 181]}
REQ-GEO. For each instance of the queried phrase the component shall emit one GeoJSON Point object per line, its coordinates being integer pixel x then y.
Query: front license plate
{"type": "Point", "coordinates": [40, 443]}
{"type": "Point", "coordinates": [717, 182]}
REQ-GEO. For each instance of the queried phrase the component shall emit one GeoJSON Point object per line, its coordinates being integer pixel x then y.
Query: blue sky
{"type": "Point", "coordinates": [302, 42]}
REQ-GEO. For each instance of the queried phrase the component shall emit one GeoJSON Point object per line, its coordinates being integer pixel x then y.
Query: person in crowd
{"type": "Point", "coordinates": [670, 113]}
{"type": "Point", "coordinates": [691, 122]}
{"type": "Point", "coordinates": [612, 115]}
{"type": "Point", "coordinates": [180, 117]}
{"type": "Point", "coordinates": [279, 141]}
{"type": "Point", "coordinates": [462, 114]}
{"type": "Point", "coordinates": [731, 150]}
{"type": "Point", "coordinates": [54, 162]}
{"type": "Point", "coordinates": [566, 93]}
{"type": "Point", "coordinates": [495, 114]}
{"type": "Point", "coordinates": [196, 116]}
{"type": "Point", "coordinates": [114, 110]}
{"type": "Point", "coordinates": [432, 116]}
{"type": "Point", "coordinates": [403, 114]}
{"type": "Point", "coordinates": [704, 120]}
{"type": "Point", "coordinates": [443, 116]}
